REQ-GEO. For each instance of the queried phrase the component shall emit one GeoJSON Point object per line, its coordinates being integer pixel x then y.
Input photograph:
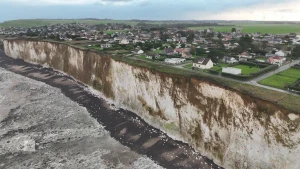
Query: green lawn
{"type": "Point", "coordinates": [143, 57]}
{"type": "Point", "coordinates": [219, 66]}
{"type": "Point", "coordinates": [253, 28]}
{"type": "Point", "coordinates": [94, 47]}
{"type": "Point", "coordinates": [246, 70]}
{"type": "Point", "coordinates": [158, 51]}
{"type": "Point", "coordinates": [279, 80]}
{"type": "Point", "coordinates": [261, 58]}
{"type": "Point", "coordinates": [188, 66]}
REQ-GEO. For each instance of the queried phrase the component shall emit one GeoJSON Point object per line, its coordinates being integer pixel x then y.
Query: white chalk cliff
{"type": "Point", "coordinates": [233, 129]}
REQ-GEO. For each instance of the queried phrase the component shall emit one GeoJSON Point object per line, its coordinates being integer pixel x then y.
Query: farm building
{"type": "Point", "coordinates": [232, 70]}
{"type": "Point", "coordinates": [174, 61]}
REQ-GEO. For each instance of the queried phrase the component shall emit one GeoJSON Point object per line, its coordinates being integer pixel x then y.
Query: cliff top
{"type": "Point", "coordinates": [288, 101]}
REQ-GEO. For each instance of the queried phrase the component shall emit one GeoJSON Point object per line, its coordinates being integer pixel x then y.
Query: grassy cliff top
{"type": "Point", "coordinates": [285, 100]}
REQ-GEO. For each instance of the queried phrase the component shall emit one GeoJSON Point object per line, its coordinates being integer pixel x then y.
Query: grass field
{"type": "Point", "coordinates": [246, 70]}
{"type": "Point", "coordinates": [279, 80]}
{"type": "Point", "coordinates": [219, 66]}
{"type": "Point", "coordinates": [253, 28]}
{"type": "Point", "coordinates": [94, 47]}
{"type": "Point", "coordinates": [188, 66]}
{"type": "Point", "coordinates": [143, 57]}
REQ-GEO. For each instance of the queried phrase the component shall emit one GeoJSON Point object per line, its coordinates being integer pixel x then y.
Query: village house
{"type": "Point", "coordinates": [186, 54]}
{"type": "Point", "coordinates": [229, 60]}
{"type": "Point", "coordinates": [169, 51]}
{"type": "Point", "coordinates": [276, 60]}
{"type": "Point", "coordinates": [152, 55]}
{"type": "Point", "coordinates": [270, 55]}
{"type": "Point", "coordinates": [203, 63]}
{"type": "Point", "coordinates": [281, 53]}
{"type": "Point", "coordinates": [138, 51]}
{"type": "Point", "coordinates": [124, 41]}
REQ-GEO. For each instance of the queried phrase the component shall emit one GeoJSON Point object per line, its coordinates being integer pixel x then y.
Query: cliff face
{"type": "Point", "coordinates": [232, 128]}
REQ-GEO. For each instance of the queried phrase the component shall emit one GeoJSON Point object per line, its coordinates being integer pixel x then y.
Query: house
{"type": "Point", "coordinates": [239, 30]}
{"type": "Point", "coordinates": [270, 55]}
{"type": "Point", "coordinates": [168, 51]}
{"type": "Point", "coordinates": [169, 40]}
{"type": "Point", "coordinates": [245, 54]}
{"type": "Point", "coordinates": [152, 55]}
{"type": "Point", "coordinates": [276, 60]}
{"type": "Point", "coordinates": [203, 63]}
{"type": "Point", "coordinates": [107, 45]}
{"type": "Point", "coordinates": [124, 41]}
{"type": "Point", "coordinates": [232, 70]}
{"type": "Point", "coordinates": [138, 51]}
{"type": "Point", "coordinates": [180, 50]}
{"type": "Point", "coordinates": [229, 60]}
{"type": "Point", "coordinates": [174, 61]}
{"type": "Point", "coordinates": [183, 39]}
{"type": "Point", "coordinates": [186, 54]}
{"type": "Point", "coordinates": [281, 53]}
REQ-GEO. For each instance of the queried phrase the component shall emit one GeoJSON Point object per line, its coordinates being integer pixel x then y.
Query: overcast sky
{"type": "Point", "coordinates": [278, 10]}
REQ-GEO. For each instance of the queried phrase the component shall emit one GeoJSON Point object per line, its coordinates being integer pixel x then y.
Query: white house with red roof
{"type": "Point", "coordinates": [276, 60]}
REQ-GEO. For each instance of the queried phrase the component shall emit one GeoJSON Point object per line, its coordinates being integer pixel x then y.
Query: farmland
{"type": "Point", "coordinates": [253, 28]}
{"type": "Point", "coordinates": [43, 22]}
{"type": "Point", "coordinates": [280, 80]}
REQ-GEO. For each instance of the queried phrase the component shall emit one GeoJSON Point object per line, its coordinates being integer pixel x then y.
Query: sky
{"type": "Point", "coordinates": [262, 10]}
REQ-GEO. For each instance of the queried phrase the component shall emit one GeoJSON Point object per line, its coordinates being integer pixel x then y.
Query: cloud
{"type": "Point", "coordinates": [267, 11]}
{"type": "Point", "coordinates": [72, 2]}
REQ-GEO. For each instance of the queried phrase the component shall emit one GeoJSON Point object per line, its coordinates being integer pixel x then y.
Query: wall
{"type": "Point", "coordinates": [232, 128]}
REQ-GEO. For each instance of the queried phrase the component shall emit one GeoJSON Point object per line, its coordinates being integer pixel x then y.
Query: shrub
{"type": "Point", "coordinates": [264, 70]}
{"type": "Point", "coordinates": [238, 77]}
{"type": "Point", "coordinates": [296, 66]}
{"type": "Point", "coordinates": [215, 72]}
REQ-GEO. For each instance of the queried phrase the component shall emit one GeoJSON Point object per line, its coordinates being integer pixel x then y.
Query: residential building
{"type": "Point", "coordinates": [138, 51]}
{"type": "Point", "coordinates": [152, 55]}
{"type": "Point", "coordinates": [186, 54]}
{"type": "Point", "coordinates": [276, 60]}
{"type": "Point", "coordinates": [169, 51]}
{"type": "Point", "coordinates": [203, 63]}
{"type": "Point", "coordinates": [281, 53]}
{"type": "Point", "coordinates": [124, 41]}
{"type": "Point", "coordinates": [229, 60]}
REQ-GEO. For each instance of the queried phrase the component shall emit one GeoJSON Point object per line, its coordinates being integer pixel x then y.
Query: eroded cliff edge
{"type": "Point", "coordinates": [231, 127]}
